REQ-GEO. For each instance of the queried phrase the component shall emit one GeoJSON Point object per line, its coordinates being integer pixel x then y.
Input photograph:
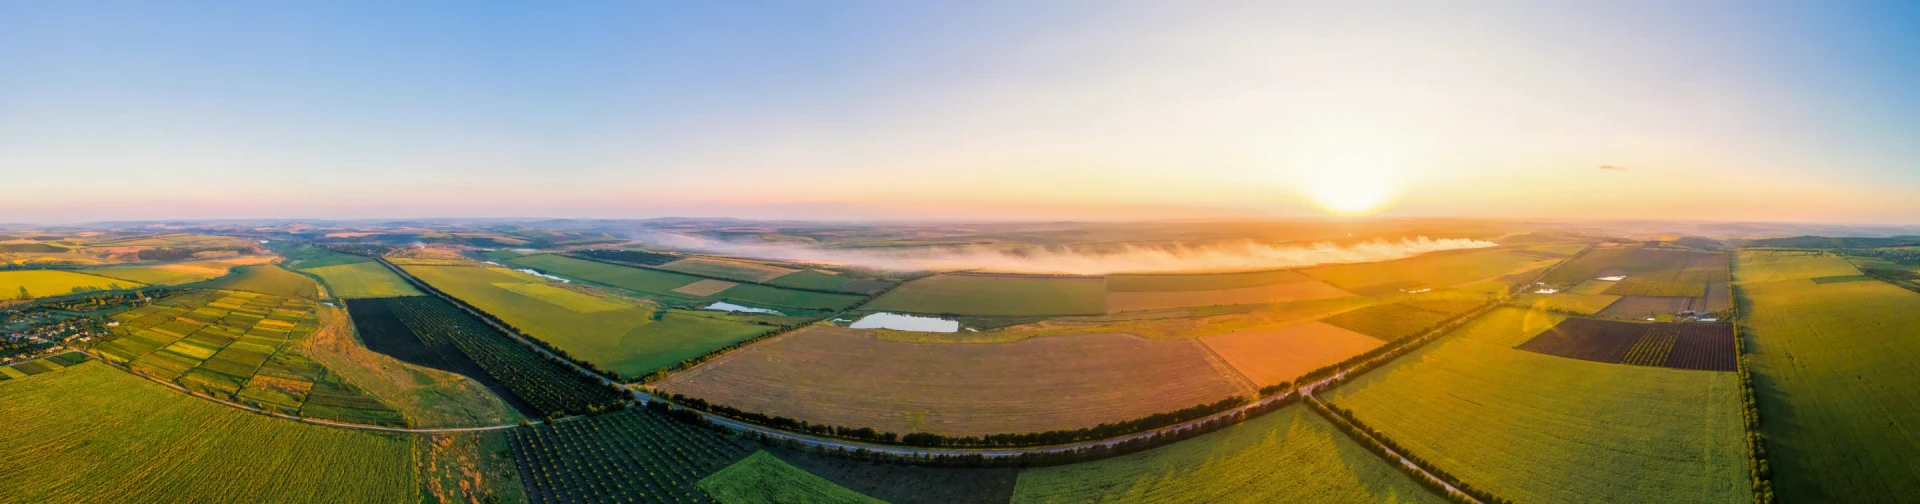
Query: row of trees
{"type": "Point", "coordinates": [1757, 468]}
{"type": "Point", "coordinates": [1378, 443]}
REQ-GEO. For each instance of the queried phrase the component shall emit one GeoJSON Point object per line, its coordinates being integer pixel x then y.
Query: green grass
{"type": "Point", "coordinates": [1832, 365]}
{"type": "Point", "coordinates": [266, 279]}
{"type": "Point", "coordinates": [1537, 428]}
{"type": "Point", "coordinates": [362, 280]}
{"type": "Point", "coordinates": [765, 479]}
{"type": "Point", "coordinates": [1201, 282]}
{"type": "Point", "coordinates": [626, 340]}
{"type": "Point", "coordinates": [995, 295]}
{"type": "Point", "coordinates": [131, 440]}
{"type": "Point", "coordinates": [778, 298]}
{"type": "Point", "coordinates": [49, 283]}
{"type": "Point", "coordinates": [1290, 455]}
{"type": "Point", "coordinates": [1389, 321]}
{"type": "Point", "coordinates": [1584, 304]}
{"type": "Point", "coordinates": [810, 279]}
{"type": "Point", "coordinates": [640, 280]}
{"type": "Point", "coordinates": [1435, 270]}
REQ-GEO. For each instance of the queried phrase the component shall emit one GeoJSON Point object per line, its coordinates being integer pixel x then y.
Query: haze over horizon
{"type": "Point", "coordinates": [1760, 111]}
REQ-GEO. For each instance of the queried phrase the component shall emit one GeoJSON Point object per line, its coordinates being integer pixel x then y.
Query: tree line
{"type": "Point", "coordinates": [1377, 442]}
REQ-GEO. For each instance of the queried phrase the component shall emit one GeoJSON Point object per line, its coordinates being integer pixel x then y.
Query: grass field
{"type": "Point", "coordinates": [995, 295]}
{"type": "Point", "coordinates": [266, 279]}
{"type": "Point", "coordinates": [1178, 323]}
{"type": "Point", "coordinates": [1306, 290]}
{"type": "Point", "coordinates": [661, 283]}
{"type": "Point", "coordinates": [48, 283]}
{"type": "Point", "coordinates": [131, 440]}
{"type": "Point", "coordinates": [1584, 304]}
{"type": "Point", "coordinates": [731, 270]}
{"type": "Point", "coordinates": [1832, 366]}
{"type": "Point", "coordinates": [1397, 320]}
{"type": "Point", "coordinates": [626, 340]}
{"type": "Point", "coordinates": [1276, 355]}
{"type": "Point", "coordinates": [764, 479]}
{"type": "Point", "coordinates": [1290, 455]}
{"type": "Point", "coordinates": [848, 377]}
{"type": "Point", "coordinates": [1537, 428]}
{"type": "Point", "coordinates": [430, 397]}
{"type": "Point", "coordinates": [1201, 282]}
{"type": "Point", "coordinates": [362, 280]}
{"type": "Point", "coordinates": [180, 273]}
{"type": "Point", "coordinates": [1437, 270]}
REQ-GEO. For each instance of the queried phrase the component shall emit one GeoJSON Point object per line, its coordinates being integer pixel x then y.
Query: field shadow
{"type": "Point", "coordinates": [908, 484]}
{"type": "Point", "coordinates": [1779, 421]}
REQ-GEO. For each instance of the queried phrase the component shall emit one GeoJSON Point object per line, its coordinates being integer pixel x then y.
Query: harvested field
{"type": "Point", "coordinates": [1832, 365]}
{"type": "Point", "coordinates": [1643, 307]}
{"type": "Point", "coordinates": [1010, 295]}
{"type": "Point", "coordinates": [1680, 346]}
{"type": "Point", "coordinates": [1278, 355]}
{"type": "Point", "coordinates": [838, 376]}
{"type": "Point", "coordinates": [705, 288]}
{"type": "Point", "coordinates": [1535, 428]}
{"type": "Point", "coordinates": [731, 270]}
{"type": "Point", "coordinates": [1277, 293]}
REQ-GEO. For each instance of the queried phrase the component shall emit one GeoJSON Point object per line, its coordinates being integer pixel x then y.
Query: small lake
{"type": "Point", "coordinates": [730, 307]}
{"type": "Point", "coordinates": [895, 321]}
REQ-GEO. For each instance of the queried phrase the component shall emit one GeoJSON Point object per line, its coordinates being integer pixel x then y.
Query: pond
{"type": "Point", "coordinates": [895, 321]}
{"type": "Point", "coordinates": [730, 307]}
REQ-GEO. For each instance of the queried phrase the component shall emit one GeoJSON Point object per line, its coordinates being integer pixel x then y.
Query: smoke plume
{"type": "Point", "coordinates": [1129, 259]}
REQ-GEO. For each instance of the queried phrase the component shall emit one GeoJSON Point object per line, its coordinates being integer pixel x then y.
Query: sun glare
{"type": "Point", "coordinates": [1350, 186]}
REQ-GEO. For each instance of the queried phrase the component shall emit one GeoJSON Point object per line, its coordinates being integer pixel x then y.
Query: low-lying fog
{"type": "Point", "coordinates": [1134, 259]}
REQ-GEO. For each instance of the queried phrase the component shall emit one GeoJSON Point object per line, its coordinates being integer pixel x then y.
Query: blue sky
{"type": "Point", "coordinates": [1719, 110]}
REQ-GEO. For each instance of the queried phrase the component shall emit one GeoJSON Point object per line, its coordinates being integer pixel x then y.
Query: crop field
{"type": "Point", "coordinates": [731, 270]}
{"type": "Point", "coordinates": [362, 280]}
{"type": "Point", "coordinates": [1306, 290]}
{"type": "Point", "coordinates": [41, 365]}
{"type": "Point", "coordinates": [382, 331]}
{"type": "Point", "coordinates": [1437, 270]}
{"type": "Point", "coordinates": [636, 454]}
{"type": "Point", "coordinates": [1706, 347]}
{"type": "Point", "coordinates": [811, 279]}
{"type": "Point", "coordinates": [839, 376]}
{"type": "Point", "coordinates": [626, 339]}
{"type": "Point", "coordinates": [1290, 455]}
{"type": "Point", "coordinates": [1570, 302]}
{"type": "Point", "coordinates": [677, 286]}
{"type": "Point", "coordinates": [1201, 281]}
{"type": "Point", "coordinates": [47, 283]}
{"type": "Point", "coordinates": [1832, 366]}
{"type": "Point", "coordinates": [135, 441]}
{"type": "Point", "coordinates": [1272, 356]}
{"type": "Point", "coordinates": [549, 387]}
{"type": "Point", "coordinates": [764, 478]}
{"type": "Point", "coordinates": [1537, 428]}
{"type": "Point", "coordinates": [1642, 307]}
{"type": "Point", "coordinates": [908, 484]}
{"type": "Point", "coordinates": [1178, 323]}
{"type": "Point", "coordinates": [182, 272]}
{"type": "Point", "coordinates": [1009, 295]}
{"type": "Point", "coordinates": [266, 279]}
{"type": "Point", "coordinates": [1395, 321]}
{"type": "Point", "coordinates": [239, 346]}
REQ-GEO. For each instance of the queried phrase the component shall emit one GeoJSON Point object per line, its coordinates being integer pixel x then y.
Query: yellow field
{"type": "Point", "coordinates": [1271, 356]}
{"type": "Point", "coordinates": [46, 283]}
{"type": "Point", "coordinates": [563, 298]}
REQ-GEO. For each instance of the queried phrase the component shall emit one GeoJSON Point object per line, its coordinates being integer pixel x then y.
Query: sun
{"type": "Point", "coordinates": [1350, 186]}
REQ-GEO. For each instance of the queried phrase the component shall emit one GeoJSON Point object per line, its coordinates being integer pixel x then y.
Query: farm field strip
{"type": "Point", "coordinates": [1832, 369]}
{"type": "Point", "coordinates": [22, 284]}
{"type": "Point", "coordinates": [1695, 346]}
{"type": "Point", "coordinates": [1305, 290]}
{"type": "Point", "coordinates": [837, 376]}
{"type": "Point", "coordinates": [1536, 428]}
{"type": "Point", "coordinates": [1004, 295]}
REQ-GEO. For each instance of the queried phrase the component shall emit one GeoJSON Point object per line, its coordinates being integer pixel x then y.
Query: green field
{"type": "Point", "coordinates": [764, 479]}
{"type": "Point", "coordinates": [362, 280]}
{"type": "Point", "coordinates": [1536, 428]}
{"type": "Point", "coordinates": [1437, 270]}
{"type": "Point", "coordinates": [131, 440]}
{"type": "Point", "coordinates": [1201, 282]}
{"type": "Point", "coordinates": [1290, 455]}
{"type": "Point", "coordinates": [1832, 364]}
{"type": "Point", "coordinates": [662, 283]}
{"type": "Point", "coordinates": [1570, 302]}
{"type": "Point", "coordinates": [49, 283]}
{"type": "Point", "coordinates": [996, 295]}
{"type": "Point", "coordinates": [810, 279]}
{"type": "Point", "coordinates": [266, 279]}
{"type": "Point", "coordinates": [625, 340]}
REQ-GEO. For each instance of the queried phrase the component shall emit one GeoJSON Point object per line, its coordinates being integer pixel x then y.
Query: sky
{"type": "Point", "coordinates": [1099, 110]}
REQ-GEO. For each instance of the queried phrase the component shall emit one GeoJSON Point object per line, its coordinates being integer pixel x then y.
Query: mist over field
{"type": "Point", "coordinates": [1075, 261]}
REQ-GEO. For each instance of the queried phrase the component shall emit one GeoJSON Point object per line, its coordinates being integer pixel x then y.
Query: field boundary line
{"type": "Point", "coordinates": [1226, 369]}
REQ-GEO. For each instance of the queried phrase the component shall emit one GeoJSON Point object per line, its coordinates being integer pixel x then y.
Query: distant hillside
{"type": "Point", "coordinates": [1823, 242]}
